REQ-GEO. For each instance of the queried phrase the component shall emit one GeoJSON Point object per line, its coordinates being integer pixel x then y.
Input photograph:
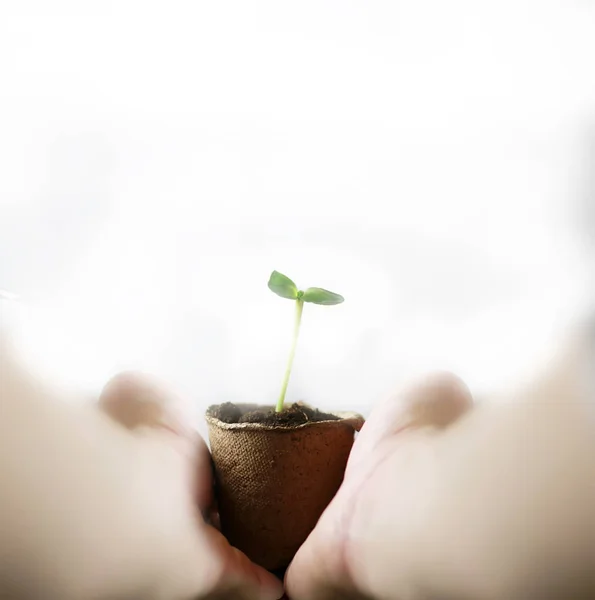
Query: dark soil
{"type": "Point", "coordinates": [291, 416]}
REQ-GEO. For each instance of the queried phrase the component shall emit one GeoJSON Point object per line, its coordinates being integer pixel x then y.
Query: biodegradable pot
{"type": "Point", "coordinates": [274, 482]}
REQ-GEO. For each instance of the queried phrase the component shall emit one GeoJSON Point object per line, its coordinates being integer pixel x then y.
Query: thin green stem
{"type": "Point", "coordinates": [299, 307]}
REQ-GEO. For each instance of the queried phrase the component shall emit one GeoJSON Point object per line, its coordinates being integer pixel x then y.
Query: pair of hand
{"type": "Point", "coordinates": [440, 499]}
{"type": "Point", "coordinates": [332, 561]}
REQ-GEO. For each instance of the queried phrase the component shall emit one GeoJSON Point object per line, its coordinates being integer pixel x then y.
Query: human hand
{"type": "Point", "coordinates": [444, 501]}
{"type": "Point", "coordinates": [195, 559]}
{"type": "Point", "coordinates": [392, 446]}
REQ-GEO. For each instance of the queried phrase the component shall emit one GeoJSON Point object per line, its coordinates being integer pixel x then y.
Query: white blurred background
{"type": "Point", "coordinates": [428, 160]}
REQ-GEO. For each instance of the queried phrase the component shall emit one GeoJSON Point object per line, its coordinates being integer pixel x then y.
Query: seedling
{"type": "Point", "coordinates": [284, 287]}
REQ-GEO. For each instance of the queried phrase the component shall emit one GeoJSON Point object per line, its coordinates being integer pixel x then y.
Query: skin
{"type": "Point", "coordinates": [441, 500]}
{"type": "Point", "coordinates": [444, 500]}
{"type": "Point", "coordinates": [110, 502]}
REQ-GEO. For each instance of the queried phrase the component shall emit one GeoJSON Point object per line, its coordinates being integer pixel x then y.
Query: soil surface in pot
{"type": "Point", "coordinates": [291, 416]}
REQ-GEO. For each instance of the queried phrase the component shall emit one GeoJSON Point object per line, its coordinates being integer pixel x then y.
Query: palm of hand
{"type": "Point", "coordinates": [383, 481]}
{"type": "Point", "coordinates": [197, 561]}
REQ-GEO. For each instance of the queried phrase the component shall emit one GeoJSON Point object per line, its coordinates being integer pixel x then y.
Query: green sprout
{"type": "Point", "coordinates": [284, 287]}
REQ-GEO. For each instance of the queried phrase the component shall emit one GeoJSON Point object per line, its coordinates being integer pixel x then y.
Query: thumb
{"type": "Point", "coordinates": [135, 400]}
{"type": "Point", "coordinates": [142, 405]}
{"type": "Point", "coordinates": [435, 402]}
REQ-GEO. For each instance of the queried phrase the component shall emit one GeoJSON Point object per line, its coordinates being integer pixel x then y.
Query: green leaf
{"type": "Point", "coordinates": [282, 286]}
{"type": "Point", "coordinates": [320, 296]}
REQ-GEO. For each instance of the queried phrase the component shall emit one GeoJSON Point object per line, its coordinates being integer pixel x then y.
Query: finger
{"type": "Point", "coordinates": [145, 407]}
{"type": "Point", "coordinates": [239, 577]}
{"type": "Point", "coordinates": [317, 573]}
{"type": "Point", "coordinates": [137, 400]}
{"type": "Point", "coordinates": [435, 402]}
{"type": "Point", "coordinates": [140, 403]}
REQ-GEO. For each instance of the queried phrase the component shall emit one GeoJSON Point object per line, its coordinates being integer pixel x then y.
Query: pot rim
{"type": "Point", "coordinates": [353, 419]}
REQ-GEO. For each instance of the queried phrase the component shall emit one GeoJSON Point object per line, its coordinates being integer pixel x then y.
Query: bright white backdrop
{"type": "Point", "coordinates": [426, 159]}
